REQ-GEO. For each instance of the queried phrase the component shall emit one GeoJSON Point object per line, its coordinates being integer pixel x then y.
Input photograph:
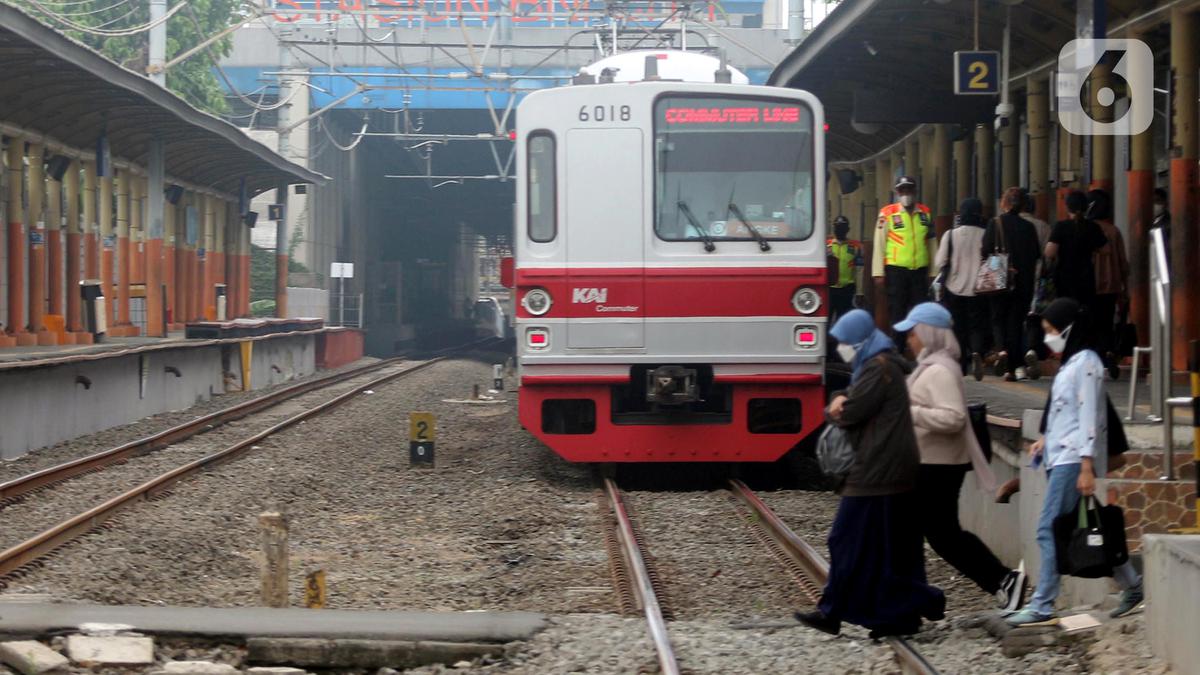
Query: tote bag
{"type": "Point", "coordinates": [1090, 540]}
{"type": "Point", "coordinates": [994, 272]}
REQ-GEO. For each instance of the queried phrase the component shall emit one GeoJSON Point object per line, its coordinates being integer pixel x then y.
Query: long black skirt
{"type": "Point", "coordinates": [877, 566]}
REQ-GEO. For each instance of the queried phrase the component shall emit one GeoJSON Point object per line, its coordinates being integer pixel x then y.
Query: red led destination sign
{"type": "Point", "coordinates": [733, 115]}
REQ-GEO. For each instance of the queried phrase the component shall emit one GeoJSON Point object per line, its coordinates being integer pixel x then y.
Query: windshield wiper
{"type": "Point", "coordinates": [709, 246]}
{"type": "Point", "coordinates": [763, 244]}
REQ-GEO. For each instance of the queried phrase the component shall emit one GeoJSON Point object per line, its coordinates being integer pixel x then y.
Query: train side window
{"type": "Point", "coordinates": [543, 190]}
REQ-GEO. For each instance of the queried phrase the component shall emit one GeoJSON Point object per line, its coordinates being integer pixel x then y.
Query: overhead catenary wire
{"type": "Point", "coordinates": [93, 12]}
{"type": "Point", "coordinates": [90, 30]}
{"type": "Point", "coordinates": [344, 148]}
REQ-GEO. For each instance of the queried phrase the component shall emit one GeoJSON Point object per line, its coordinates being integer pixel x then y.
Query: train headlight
{"type": "Point", "coordinates": [806, 300]}
{"type": "Point", "coordinates": [536, 302]}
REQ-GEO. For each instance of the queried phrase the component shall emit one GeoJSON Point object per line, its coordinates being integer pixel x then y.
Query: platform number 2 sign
{"type": "Point", "coordinates": [976, 72]}
{"type": "Point", "coordinates": [422, 431]}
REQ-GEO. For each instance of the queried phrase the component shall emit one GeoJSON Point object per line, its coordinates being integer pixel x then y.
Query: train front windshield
{"type": "Point", "coordinates": [729, 169]}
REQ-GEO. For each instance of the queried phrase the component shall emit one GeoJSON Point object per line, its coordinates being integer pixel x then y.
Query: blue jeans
{"type": "Point", "coordinates": [1061, 497]}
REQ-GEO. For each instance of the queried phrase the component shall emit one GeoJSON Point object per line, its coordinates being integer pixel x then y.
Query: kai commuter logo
{"type": "Point", "coordinates": [1105, 87]}
{"type": "Point", "coordinates": [589, 295]}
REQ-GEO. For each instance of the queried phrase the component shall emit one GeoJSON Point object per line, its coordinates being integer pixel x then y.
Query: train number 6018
{"type": "Point", "coordinates": [600, 113]}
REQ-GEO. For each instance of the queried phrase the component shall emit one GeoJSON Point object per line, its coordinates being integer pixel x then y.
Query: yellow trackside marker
{"type": "Point", "coordinates": [314, 589]}
{"type": "Point", "coordinates": [247, 349]}
{"type": "Point", "coordinates": [422, 431]}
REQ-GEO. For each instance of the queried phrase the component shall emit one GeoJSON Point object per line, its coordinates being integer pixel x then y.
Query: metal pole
{"type": "Point", "coordinates": [158, 44]}
{"type": "Point", "coordinates": [341, 301]}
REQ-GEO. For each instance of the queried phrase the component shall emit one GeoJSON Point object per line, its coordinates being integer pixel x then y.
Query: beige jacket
{"type": "Point", "coordinates": [939, 413]}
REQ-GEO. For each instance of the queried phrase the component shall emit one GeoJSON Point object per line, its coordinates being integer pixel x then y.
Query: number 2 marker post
{"type": "Point", "coordinates": [422, 431]}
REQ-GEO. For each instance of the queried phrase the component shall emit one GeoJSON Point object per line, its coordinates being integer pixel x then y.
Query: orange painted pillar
{"type": "Point", "coordinates": [1140, 179]}
{"type": "Point", "coordinates": [91, 226]}
{"type": "Point", "coordinates": [1037, 112]}
{"type": "Point", "coordinates": [37, 246]}
{"type": "Point", "coordinates": [217, 261]}
{"type": "Point", "coordinates": [233, 280]}
{"type": "Point", "coordinates": [54, 242]}
{"type": "Point", "coordinates": [171, 308]}
{"type": "Point", "coordinates": [198, 255]}
{"type": "Point", "coordinates": [281, 254]}
{"type": "Point", "coordinates": [124, 327]}
{"type": "Point", "coordinates": [16, 243]}
{"type": "Point", "coordinates": [1185, 274]}
{"type": "Point", "coordinates": [208, 305]}
{"type": "Point", "coordinates": [108, 245]}
{"type": "Point", "coordinates": [137, 223]}
{"type": "Point", "coordinates": [182, 264]}
{"type": "Point", "coordinates": [74, 251]}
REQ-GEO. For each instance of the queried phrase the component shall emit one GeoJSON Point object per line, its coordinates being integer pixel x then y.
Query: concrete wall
{"type": "Point", "coordinates": [1172, 613]}
{"type": "Point", "coordinates": [47, 405]}
{"type": "Point", "coordinates": [1010, 530]}
{"type": "Point", "coordinates": [308, 302]}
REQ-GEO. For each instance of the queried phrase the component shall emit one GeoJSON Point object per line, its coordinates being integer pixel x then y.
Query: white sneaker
{"type": "Point", "coordinates": [1022, 376]}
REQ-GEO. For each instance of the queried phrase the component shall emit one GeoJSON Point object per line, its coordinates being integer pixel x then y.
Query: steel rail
{"type": "Point", "coordinates": [38, 546]}
{"type": "Point", "coordinates": [817, 567]}
{"type": "Point", "coordinates": [641, 576]}
{"type": "Point", "coordinates": [60, 472]}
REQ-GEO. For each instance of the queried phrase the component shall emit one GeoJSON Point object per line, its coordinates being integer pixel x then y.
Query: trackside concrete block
{"type": "Point", "coordinates": [1172, 575]}
{"type": "Point", "coordinates": [114, 650]}
{"type": "Point", "coordinates": [275, 670]}
{"type": "Point", "coordinates": [31, 657]}
{"type": "Point", "coordinates": [196, 668]}
{"type": "Point", "coordinates": [362, 653]}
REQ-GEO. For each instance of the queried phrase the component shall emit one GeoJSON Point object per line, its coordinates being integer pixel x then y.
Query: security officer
{"type": "Point", "coordinates": [904, 246]}
{"type": "Point", "coordinates": [845, 259]}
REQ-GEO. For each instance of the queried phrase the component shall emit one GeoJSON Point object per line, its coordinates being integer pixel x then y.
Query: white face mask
{"type": "Point", "coordinates": [908, 200]}
{"type": "Point", "coordinates": [1058, 343]}
{"type": "Point", "coordinates": [847, 352]}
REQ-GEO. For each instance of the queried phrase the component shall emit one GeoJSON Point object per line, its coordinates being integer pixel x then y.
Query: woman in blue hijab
{"type": "Point", "coordinates": [876, 547]}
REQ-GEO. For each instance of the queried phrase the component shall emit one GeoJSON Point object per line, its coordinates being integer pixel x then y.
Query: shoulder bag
{"type": "Point", "coordinates": [995, 274]}
{"type": "Point", "coordinates": [1089, 541]}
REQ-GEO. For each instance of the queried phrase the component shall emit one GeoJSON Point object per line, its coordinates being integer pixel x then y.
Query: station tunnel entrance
{"type": "Point", "coordinates": [426, 227]}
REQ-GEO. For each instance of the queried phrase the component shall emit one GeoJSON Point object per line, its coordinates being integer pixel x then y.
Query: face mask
{"type": "Point", "coordinates": [1058, 343]}
{"type": "Point", "coordinates": [908, 200]}
{"type": "Point", "coordinates": [1158, 209]}
{"type": "Point", "coordinates": [847, 352]}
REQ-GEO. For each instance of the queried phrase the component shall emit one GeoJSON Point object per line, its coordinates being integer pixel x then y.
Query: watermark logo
{"type": "Point", "coordinates": [1105, 87]}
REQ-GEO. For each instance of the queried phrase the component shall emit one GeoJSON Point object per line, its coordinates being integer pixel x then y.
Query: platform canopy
{"type": "Point", "coordinates": [880, 67]}
{"type": "Point", "coordinates": [54, 87]}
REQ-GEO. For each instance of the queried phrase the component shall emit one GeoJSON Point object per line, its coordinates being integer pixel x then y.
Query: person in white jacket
{"type": "Point", "coordinates": [958, 257]}
{"type": "Point", "coordinates": [949, 450]}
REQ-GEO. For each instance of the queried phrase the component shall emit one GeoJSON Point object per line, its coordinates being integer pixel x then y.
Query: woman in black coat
{"type": "Point", "coordinates": [876, 546]}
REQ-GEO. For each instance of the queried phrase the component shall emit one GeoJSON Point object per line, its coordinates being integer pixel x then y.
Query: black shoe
{"type": "Point", "coordinates": [1032, 368]}
{"type": "Point", "coordinates": [1012, 590]}
{"type": "Point", "coordinates": [820, 622]}
{"type": "Point", "coordinates": [1114, 366]}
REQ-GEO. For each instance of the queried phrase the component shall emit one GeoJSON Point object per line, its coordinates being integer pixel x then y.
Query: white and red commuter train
{"type": "Point", "coordinates": [669, 276]}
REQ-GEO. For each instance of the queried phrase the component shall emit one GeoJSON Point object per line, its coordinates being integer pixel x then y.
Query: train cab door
{"type": "Point", "coordinates": [605, 239]}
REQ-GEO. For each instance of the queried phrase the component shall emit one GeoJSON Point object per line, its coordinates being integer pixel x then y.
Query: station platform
{"type": "Point", "coordinates": [55, 394]}
{"type": "Point", "coordinates": [1011, 399]}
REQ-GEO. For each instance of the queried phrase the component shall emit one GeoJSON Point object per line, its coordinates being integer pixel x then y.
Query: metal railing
{"type": "Point", "coordinates": [1158, 355]}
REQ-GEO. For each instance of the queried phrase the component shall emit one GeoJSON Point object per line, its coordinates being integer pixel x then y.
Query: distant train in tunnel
{"type": "Point", "coordinates": [670, 275]}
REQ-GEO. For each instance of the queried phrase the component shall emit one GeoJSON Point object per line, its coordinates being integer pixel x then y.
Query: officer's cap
{"type": "Point", "coordinates": [841, 220]}
{"type": "Point", "coordinates": [905, 181]}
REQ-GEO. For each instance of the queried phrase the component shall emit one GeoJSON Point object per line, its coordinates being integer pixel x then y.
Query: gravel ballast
{"type": "Point", "coordinates": [500, 523]}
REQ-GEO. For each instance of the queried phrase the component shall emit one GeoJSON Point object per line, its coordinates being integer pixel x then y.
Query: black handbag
{"type": "Point", "coordinates": [977, 414]}
{"type": "Point", "coordinates": [1090, 540]}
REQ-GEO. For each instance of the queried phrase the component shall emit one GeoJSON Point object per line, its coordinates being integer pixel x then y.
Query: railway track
{"type": "Point", "coordinates": [638, 586]}
{"type": "Point", "coordinates": [47, 541]}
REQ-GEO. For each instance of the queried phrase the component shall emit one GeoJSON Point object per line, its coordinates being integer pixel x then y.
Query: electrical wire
{"type": "Point", "coordinates": [93, 12]}
{"type": "Point", "coordinates": [124, 32]}
{"type": "Point", "coordinates": [229, 83]}
{"type": "Point", "coordinates": [344, 148]}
